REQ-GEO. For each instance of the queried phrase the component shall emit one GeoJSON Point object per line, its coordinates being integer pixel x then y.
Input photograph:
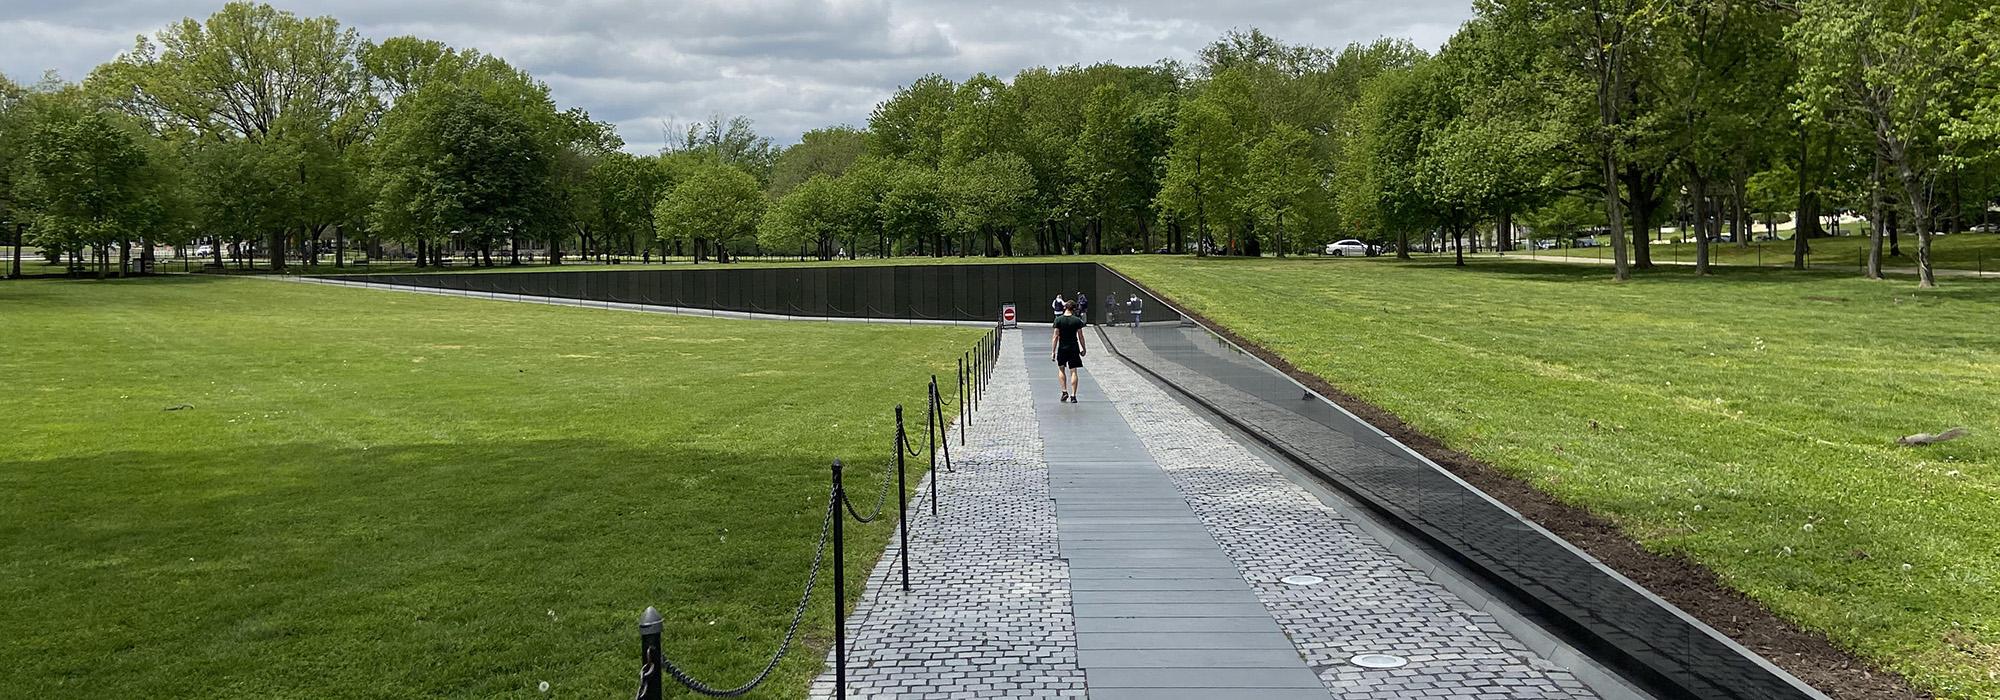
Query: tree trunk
{"type": "Point", "coordinates": [1615, 215]}
{"type": "Point", "coordinates": [1503, 232]}
{"type": "Point", "coordinates": [1458, 245]}
{"type": "Point", "coordinates": [340, 246]}
{"type": "Point", "coordinates": [1878, 222]}
{"type": "Point", "coordinates": [1699, 194]}
{"type": "Point", "coordinates": [278, 250]}
{"type": "Point", "coordinates": [1895, 224]}
{"type": "Point", "coordinates": [1740, 204]}
{"type": "Point", "coordinates": [20, 231]}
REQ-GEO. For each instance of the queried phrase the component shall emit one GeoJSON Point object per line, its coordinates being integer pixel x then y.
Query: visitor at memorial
{"type": "Point", "coordinates": [1083, 307]}
{"type": "Point", "coordinates": [1067, 349]}
{"type": "Point", "coordinates": [1133, 306]}
{"type": "Point", "coordinates": [1056, 306]}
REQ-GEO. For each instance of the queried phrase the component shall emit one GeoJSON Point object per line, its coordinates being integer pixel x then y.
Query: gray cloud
{"type": "Point", "coordinates": [791, 65]}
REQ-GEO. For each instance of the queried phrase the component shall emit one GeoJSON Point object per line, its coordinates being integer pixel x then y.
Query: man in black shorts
{"type": "Point", "coordinates": [1067, 347]}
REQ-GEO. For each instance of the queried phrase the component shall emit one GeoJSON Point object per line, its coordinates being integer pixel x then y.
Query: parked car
{"type": "Point", "coordinates": [1986, 228]}
{"type": "Point", "coordinates": [1348, 247]}
{"type": "Point", "coordinates": [204, 250]}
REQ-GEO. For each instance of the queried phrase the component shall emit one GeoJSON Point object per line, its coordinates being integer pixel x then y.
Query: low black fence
{"type": "Point", "coordinates": [971, 292]}
{"type": "Point", "coordinates": [975, 369]}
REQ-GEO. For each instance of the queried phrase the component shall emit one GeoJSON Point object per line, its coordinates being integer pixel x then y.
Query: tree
{"type": "Point", "coordinates": [829, 151]}
{"type": "Point", "coordinates": [1204, 169]}
{"type": "Point", "coordinates": [988, 196]}
{"type": "Point", "coordinates": [82, 177]}
{"type": "Point", "coordinates": [714, 208]}
{"type": "Point", "coordinates": [1894, 65]}
{"type": "Point", "coordinates": [252, 72]}
{"type": "Point", "coordinates": [473, 157]}
{"type": "Point", "coordinates": [914, 209]}
{"type": "Point", "coordinates": [1281, 180]}
{"type": "Point", "coordinates": [810, 216]}
{"type": "Point", "coordinates": [911, 124]}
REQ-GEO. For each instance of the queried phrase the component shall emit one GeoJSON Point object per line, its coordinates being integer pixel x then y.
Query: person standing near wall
{"type": "Point", "coordinates": [1083, 307]}
{"type": "Point", "coordinates": [1134, 307]}
{"type": "Point", "coordinates": [1067, 349]}
{"type": "Point", "coordinates": [1056, 306]}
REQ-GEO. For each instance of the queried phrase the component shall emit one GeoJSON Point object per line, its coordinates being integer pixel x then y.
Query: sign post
{"type": "Point", "coordinates": [1007, 317]}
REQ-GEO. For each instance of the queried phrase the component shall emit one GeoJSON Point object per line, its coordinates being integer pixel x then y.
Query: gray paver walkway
{"type": "Point", "coordinates": [1160, 610]}
{"type": "Point", "coordinates": [1125, 548]}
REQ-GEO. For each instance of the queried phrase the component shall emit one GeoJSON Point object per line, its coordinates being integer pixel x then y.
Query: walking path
{"type": "Point", "coordinates": [1123, 547]}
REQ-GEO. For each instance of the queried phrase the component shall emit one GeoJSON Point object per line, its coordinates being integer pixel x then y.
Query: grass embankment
{"type": "Point", "coordinates": [373, 494]}
{"type": "Point", "coordinates": [1747, 420]}
{"type": "Point", "coordinates": [1959, 251]}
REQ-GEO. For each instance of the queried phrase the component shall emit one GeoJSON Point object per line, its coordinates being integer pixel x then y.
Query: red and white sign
{"type": "Point", "coordinates": [1007, 318]}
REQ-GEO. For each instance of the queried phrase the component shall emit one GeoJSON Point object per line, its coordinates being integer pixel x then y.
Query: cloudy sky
{"type": "Point", "coordinates": [790, 65]}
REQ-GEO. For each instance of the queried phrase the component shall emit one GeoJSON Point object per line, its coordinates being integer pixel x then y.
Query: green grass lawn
{"type": "Point", "coordinates": [1959, 251]}
{"type": "Point", "coordinates": [392, 495]}
{"type": "Point", "coordinates": [1745, 420]}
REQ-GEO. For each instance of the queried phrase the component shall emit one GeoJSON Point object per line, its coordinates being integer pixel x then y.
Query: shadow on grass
{"type": "Point", "coordinates": [417, 569]}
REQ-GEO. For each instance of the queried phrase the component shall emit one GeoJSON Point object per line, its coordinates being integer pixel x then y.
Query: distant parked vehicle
{"type": "Point", "coordinates": [1986, 228]}
{"type": "Point", "coordinates": [1545, 244]}
{"type": "Point", "coordinates": [1348, 247]}
{"type": "Point", "coordinates": [1592, 242]}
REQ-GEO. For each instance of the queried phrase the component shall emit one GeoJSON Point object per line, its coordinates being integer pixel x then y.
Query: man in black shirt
{"type": "Point", "coordinates": [1067, 349]}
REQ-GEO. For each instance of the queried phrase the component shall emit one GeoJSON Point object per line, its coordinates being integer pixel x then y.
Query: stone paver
{"type": "Point", "coordinates": [1145, 564]}
{"type": "Point", "coordinates": [988, 611]}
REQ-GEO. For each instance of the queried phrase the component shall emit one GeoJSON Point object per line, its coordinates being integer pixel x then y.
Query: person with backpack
{"type": "Point", "coordinates": [1134, 307]}
{"type": "Point", "coordinates": [1056, 306]}
{"type": "Point", "coordinates": [1083, 307]}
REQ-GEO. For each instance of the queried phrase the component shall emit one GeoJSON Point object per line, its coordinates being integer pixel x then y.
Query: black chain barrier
{"type": "Point", "coordinates": [974, 370]}
{"type": "Point", "coordinates": [653, 661]}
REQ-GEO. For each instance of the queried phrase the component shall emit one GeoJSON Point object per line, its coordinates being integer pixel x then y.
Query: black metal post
{"type": "Point", "coordinates": [902, 498]}
{"type": "Point", "coordinates": [961, 400]}
{"type": "Point", "coordinates": [930, 439]}
{"type": "Point", "coordinates": [649, 655]}
{"type": "Point", "coordinates": [839, 587]}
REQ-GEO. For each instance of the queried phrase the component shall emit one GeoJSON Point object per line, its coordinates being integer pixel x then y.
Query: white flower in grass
{"type": "Point", "coordinates": [1699, 507]}
{"type": "Point", "coordinates": [1788, 551]}
{"type": "Point", "coordinates": [544, 686]}
{"type": "Point", "coordinates": [1906, 567]}
{"type": "Point", "coordinates": [1808, 527]}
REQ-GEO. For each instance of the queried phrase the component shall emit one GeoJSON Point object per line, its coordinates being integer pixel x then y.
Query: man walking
{"type": "Point", "coordinates": [1135, 307]}
{"type": "Point", "coordinates": [1083, 307]}
{"type": "Point", "coordinates": [1066, 348]}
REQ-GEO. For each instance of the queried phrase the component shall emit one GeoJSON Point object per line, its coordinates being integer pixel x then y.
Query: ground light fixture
{"type": "Point", "coordinates": [1302, 580]}
{"type": "Point", "coordinates": [1379, 661]}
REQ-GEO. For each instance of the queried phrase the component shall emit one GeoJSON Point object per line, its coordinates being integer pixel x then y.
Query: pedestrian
{"type": "Point", "coordinates": [1083, 307]}
{"type": "Point", "coordinates": [1056, 306]}
{"type": "Point", "coordinates": [1134, 307]}
{"type": "Point", "coordinates": [1067, 349]}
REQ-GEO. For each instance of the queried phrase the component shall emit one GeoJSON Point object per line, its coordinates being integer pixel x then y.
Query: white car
{"type": "Point", "coordinates": [1347, 247]}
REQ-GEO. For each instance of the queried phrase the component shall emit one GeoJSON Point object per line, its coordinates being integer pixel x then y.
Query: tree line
{"type": "Point", "coordinates": [1538, 117]}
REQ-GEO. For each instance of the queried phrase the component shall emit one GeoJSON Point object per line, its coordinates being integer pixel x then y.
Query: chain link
{"type": "Point", "coordinates": [798, 617]}
{"type": "Point", "coordinates": [880, 499]}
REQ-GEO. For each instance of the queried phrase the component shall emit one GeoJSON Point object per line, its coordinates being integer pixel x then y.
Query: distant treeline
{"type": "Point", "coordinates": [1541, 116]}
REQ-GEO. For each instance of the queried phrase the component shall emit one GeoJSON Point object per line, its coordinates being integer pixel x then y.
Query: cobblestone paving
{"type": "Point", "coordinates": [988, 611]}
{"type": "Point", "coordinates": [1371, 600]}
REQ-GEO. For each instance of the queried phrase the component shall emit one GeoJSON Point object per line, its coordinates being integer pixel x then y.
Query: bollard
{"type": "Point", "coordinates": [839, 589]}
{"type": "Point", "coordinates": [961, 401]}
{"type": "Point", "coordinates": [930, 439]}
{"type": "Point", "coordinates": [649, 654]}
{"type": "Point", "coordinates": [902, 498]}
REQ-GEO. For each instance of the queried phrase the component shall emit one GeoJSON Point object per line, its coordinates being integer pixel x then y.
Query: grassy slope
{"type": "Point", "coordinates": [1735, 411]}
{"type": "Point", "coordinates": [1961, 251]}
{"type": "Point", "coordinates": [387, 495]}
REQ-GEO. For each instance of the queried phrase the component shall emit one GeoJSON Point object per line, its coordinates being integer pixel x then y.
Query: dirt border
{"type": "Point", "coordinates": [1687, 584]}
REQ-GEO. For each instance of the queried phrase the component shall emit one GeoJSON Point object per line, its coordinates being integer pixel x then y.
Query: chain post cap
{"type": "Point", "coordinates": [650, 621]}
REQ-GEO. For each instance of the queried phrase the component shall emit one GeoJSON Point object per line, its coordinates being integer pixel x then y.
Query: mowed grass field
{"type": "Point", "coordinates": [1959, 251]}
{"type": "Point", "coordinates": [370, 494]}
{"type": "Point", "coordinates": [1747, 421]}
